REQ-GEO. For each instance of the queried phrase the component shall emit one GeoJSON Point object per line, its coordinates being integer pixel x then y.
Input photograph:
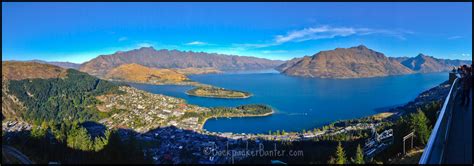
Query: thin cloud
{"type": "Point", "coordinates": [197, 43]}
{"type": "Point", "coordinates": [145, 45]}
{"type": "Point", "coordinates": [462, 55]}
{"type": "Point", "coordinates": [325, 32]}
{"type": "Point", "coordinates": [454, 37]}
{"type": "Point", "coordinates": [274, 51]}
{"type": "Point", "coordinates": [249, 45]}
{"type": "Point", "coordinates": [122, 39]}
{"type": "Point", "coordinates": [156, 45]}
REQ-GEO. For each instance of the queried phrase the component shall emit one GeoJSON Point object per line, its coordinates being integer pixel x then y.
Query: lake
{"type": "Point", "coordinates": [302, 103]}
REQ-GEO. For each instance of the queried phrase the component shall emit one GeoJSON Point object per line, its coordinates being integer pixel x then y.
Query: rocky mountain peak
{"type": "Point", "coordinates": [421, 55]}
{"type": "Point", "coordinates": [361, 47]}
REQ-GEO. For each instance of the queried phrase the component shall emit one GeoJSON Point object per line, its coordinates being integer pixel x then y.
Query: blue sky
{"type": "Point", "coordinates": [78, 32]}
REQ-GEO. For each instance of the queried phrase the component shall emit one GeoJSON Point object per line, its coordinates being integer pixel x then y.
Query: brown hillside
{"type": "Point", "coordinates": [141, 74]}
{"type": "Point", "coordinates": [192, 70]}
{"type": "Point", "coordinates": [354, 62]}
{"type": "Point", "coordinates": [30, 70]}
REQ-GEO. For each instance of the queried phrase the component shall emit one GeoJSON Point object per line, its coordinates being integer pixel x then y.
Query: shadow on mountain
{"type": "Point", "coordinates": [172, 145]}
{"type": "Point", "coordinates": [388, 108]}
{"type": "Point", "coordinates": [94, 129]}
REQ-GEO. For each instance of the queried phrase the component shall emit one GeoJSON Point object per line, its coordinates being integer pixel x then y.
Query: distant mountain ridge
{"type": "Point", "coordinates": [289, 64]}
{"type": "Point", "coordinates": [360, 62]}
{"type": "Point", "coordinates": [66, 65]}
{"type": "Point", "coordinates": [149, 57]}
{"type": "Point", "coordinates": [426, 64]}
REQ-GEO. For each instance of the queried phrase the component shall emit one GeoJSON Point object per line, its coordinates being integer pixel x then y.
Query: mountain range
{"type": "Point", "coordinates": [353, 62]}
{"type": "Point", "coordinates": [149, 57]}
{"type": "Point", "coordinates": [425, 64]}
{"type": "Point", "coordinates": [360, 62]}
{"type": "Point", "coordinates": [66, 65]}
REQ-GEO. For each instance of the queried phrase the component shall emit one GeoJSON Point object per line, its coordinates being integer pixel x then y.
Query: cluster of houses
{"type": "Point", "coordinates": [175, 145]}
{"type": "Point", "coordinates": [176, 138]}
{"type": "Point", "coordinates": [143, 111]}
{"type": "Point", "coordinates": [15, 126]}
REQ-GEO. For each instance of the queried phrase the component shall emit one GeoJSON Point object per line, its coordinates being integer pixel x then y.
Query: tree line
{"type": "Point", "coordinates": [62, 99]}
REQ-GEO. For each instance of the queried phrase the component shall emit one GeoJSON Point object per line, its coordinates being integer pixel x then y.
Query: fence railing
{"type": "Point", "coordinates": [435, 148]}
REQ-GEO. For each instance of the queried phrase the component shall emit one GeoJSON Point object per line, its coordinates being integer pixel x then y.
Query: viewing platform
{"type": "Point", "coordinates": [450, 141]}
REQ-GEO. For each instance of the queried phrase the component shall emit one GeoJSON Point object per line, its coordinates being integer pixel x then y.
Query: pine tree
{"type": "Point", "coordinates": [419, 123]}
{"type": "Point", "coordinates": [359, 157]}
{"type": "Point", "coordinates": [78, 138]}
{"type": "Point", "coordinates": [340, 155]}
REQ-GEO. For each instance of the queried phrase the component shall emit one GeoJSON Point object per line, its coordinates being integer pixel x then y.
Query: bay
{"type": "Point", "coordinates": [301, 103]}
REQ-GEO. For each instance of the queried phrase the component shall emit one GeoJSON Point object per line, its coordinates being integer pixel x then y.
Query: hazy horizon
{"type": "Point", "coordinates": [414, 55]}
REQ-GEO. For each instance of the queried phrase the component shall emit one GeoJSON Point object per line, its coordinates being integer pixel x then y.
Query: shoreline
{"type": "Point", "coordinates": [215, 97]}
{"type": "Point", "coordinates": [184, 83]}
{"type": "Point", "coordinates": [191, 83]}
{"type": "Point", "coordinates": [237, 116]}
{"type": "Point", "coordinates": [396, 111]}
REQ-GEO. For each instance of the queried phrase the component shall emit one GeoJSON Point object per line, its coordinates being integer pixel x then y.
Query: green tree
{"type": "Point", "coordinates": [78, 138]}
{"type": "Point", "coordinates": [359, 157]}
{"type": "Point", "coordinates": [419, 123]}
{"type": "Point", "coordinates": [101, 142]}
{"type": "Point", "coordinates": [340, 155]}
{"type": "Point", "coordinates": [38, 132]}
{"type": "Point", "coordinates": [44, 125]}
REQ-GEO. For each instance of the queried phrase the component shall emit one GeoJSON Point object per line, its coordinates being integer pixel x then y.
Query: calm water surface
{"type": "Point", "coordinates": [302, 103]}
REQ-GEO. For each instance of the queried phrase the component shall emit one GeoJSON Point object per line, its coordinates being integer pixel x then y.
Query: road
{"type": "Point", "coordinates": [12, 155]}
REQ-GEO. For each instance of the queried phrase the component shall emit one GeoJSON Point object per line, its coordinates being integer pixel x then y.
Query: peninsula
{"type": "Point", "coordinates": [216, 92]}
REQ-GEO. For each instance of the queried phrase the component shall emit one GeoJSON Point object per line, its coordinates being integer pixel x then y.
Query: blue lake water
{"type": "Point", "coordinates": [302, 103]}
